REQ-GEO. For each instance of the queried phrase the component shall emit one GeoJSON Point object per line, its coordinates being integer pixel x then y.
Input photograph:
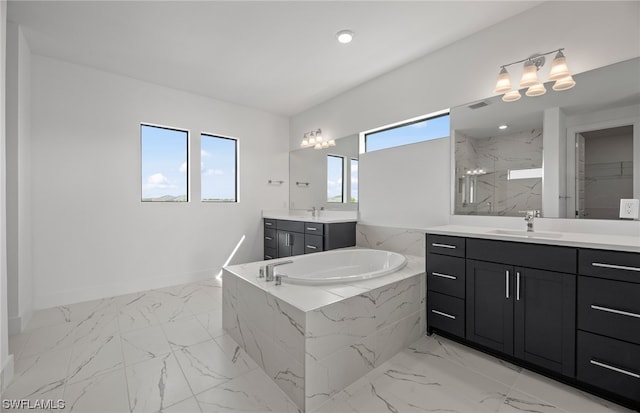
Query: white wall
{"type": "Point", "coordinates": [6, 361]}
{"type": "Point", "coordinates": [466, 72]}
{"type": "Point", "coordinates": [19, 274]}
{"type": "Point", "coordinates": [92, 236]}
{"type": "Point", "coordinates": [405, 186]}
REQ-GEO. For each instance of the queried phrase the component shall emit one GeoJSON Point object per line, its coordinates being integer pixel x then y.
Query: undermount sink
{"type": "Point", "coordinates": [526, 233]}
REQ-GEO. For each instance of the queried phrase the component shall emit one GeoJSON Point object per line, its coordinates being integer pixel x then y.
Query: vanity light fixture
{"type": "Point", "coordinates": [559, 73]}
{"type": "Point", "coordinates": [345, 36]}
{"type": "Point", "coordinates": [314, 139]}
{"type": "Point", "coordinates": [503, 127]}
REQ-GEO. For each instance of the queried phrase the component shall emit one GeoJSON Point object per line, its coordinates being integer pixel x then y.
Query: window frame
{"type": "Point", "coordinates": [236, 175]}
{"type": "Point", "coordinates": [187, 160]}
{"type": "Point", "coordinates": [434, 115]}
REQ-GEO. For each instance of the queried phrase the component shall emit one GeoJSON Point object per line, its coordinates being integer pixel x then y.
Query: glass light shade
{"type": "Point", "coordinates": [332, 142]}
{"type": "Point", "coordinates": [305, 142]}
{"type": "Point", "coordinates": [319, 137]}
{"type": "Point", "coordinates": [529, 75]}
{"type": "Point", "coordinates": [312, 141]}
{"type": "Point", "coordinates": [536, 90]}
{"type": "Point", "coordinates": [559, 67]}
{"type": "Point", "coordinates": [504, 82]}
{"type": "Point", "coordinates": [564, 83]}
{"type": "Point", "coordinates": [325, 145]}
{"type": "Point", "coordinates": [511, 96]}
{"type": "Point", "coordinates": [318, 146]}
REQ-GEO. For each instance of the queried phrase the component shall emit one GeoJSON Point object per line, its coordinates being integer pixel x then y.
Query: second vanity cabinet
{"type": "Point", "coordinates": [286, 238]}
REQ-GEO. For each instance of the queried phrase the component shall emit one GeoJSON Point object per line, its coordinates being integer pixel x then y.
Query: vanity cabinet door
{"type": "Point", "coordinates": [545, 319]}
{"type": "Point", "coordinates": [489, 306]}
{"type": "Point", "coordinates": [290, 243]}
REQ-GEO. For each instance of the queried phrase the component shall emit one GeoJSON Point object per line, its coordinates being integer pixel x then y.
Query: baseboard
{"type": "Point", "coordinates": [78, 295]}
{"type": "Point", "coordinates": [17, 324]}
{"type": "Point", "coordinates": [6, 375]}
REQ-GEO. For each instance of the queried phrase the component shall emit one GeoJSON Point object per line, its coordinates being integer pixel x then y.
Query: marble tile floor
{"type": "Point", "coordinates": [165, 351]}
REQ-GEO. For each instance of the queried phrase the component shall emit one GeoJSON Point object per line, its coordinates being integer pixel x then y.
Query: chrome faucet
{"type": "Point", "coordinates": [529, 216]}
{"type": "Point", "coordinates": [313, 211]}
{"type": "Point", "coordinates": [267, 271]}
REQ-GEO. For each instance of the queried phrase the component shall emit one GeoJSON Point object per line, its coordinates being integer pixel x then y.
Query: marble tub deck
{"type": "Point", "coordinates": [316, 340]}
{"type": "Point", "coordinates": [110, 355]}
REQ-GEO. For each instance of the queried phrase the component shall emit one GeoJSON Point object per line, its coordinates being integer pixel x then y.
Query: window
{"type": "Point", "coordinates": [219, 167]}
{"type": "Point", "coordinates": [164, 164]}
{"type": "Point", "coordinates": [435, 126]}
{"type": "Point", "coordinates": [354, 180]}
{"type": "Point", "coordinates": [335, 174]}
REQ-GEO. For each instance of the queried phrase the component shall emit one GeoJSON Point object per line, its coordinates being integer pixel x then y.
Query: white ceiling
{"type": "Point", "coordinates": [279, 56]}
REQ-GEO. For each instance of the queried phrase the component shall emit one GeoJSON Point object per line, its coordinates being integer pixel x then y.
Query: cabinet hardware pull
{"type": "Point", "coordinates": [269, 257]}
{"type": "Point", "coordinates": [615, 267]}
{"type": "Point", "coordinates": [312, 229]}
{"type": "Point", "coordinates": [444, 314]}
{"type": "Point", "coordinates": [517, 285]}
{"type": "Point", "coordinates": [268, 224]}
{"type": "Point", "coordinates": [286, 240]}
{"type": "Point", "coordinates": [312, 247]}
{"type": "Point", "coordinates": [268, 238]}
{"type": "Point", "coordinates": [613, 310]}
{"type": "Point", "coordinates": [506, 278]}
{"type": "Point", "coordinates": [451, 277]}
{"type": "Point", "coordinates": [616, 369]}
{"type": "Point", "coordinates": [435, 244]}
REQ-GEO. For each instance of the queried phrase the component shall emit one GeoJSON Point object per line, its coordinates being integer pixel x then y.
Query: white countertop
{"type": "Point", "coordinates": [324, 217]}
{"type": "Point", "coordinates": [571, 239]}
{"type": "Point", "coordinates": [311, 297]}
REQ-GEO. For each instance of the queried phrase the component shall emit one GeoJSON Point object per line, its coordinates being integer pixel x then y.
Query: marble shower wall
{"type": "Point", "coordinates": [314, 355]}
{"type": "Point", "coordinates": [494, 194]}
{"type": "Point", "coordinates": [401, 240]}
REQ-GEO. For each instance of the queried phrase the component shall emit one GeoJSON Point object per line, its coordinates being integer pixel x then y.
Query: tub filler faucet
{"type": "Point", "coordinates": [266, 272]}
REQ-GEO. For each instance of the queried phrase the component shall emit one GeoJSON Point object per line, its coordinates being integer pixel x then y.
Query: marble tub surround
{"type": "Point", "coordinates": [325, 216]}
{"type": "Point", "coordinates": [604, 241]}
{"type": "Point", "coordinates": [402, 240]}
{"type": "Point", "coordinates": [313, 341]}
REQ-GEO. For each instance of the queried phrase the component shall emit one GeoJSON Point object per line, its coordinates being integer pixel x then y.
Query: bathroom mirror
{"type": "Point", "coordinates": [499, 171]}
{"type": "Point", "coordinates": [325, 178]}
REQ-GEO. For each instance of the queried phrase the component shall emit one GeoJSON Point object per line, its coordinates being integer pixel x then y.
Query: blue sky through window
{"type": "Point", "coordinates": [354, 180]}
{"type": "Point", "coordinates": [425, 130]}
{"type": "Point", "coordinates": [335, 173]}
{"type": "Point", "coordinates": [164, 164]}
{"type": "Point", "coordinates": [218, 166]}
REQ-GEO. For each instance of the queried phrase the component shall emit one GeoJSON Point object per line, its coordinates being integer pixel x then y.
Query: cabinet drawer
{"type": "Point", "coordinates": [445, 313]}
{"type": "Point", "coordinates": [615, 265]}
{"type": "Point", "coordinates": [313, 228]}
{"type": "Point", "coordinates": [609, 307]}
{"type": "Point", "coordinates": [542, 257]}
{"type": "Point", "coordinates": [445, 274]}
{"type": "Point", "coordinates": [446, 245]}
{"type": "Point", "coordinates": [610, 364]}
{"type": "Point", "coordinates": [293, 226]}
{"type": "Point", "coordinates": [270, 240]}
{"type": "Point", "coordinates": [269, 223]}
{"type": "Point", "coordinates": [270, 253]}
{"type": "Point", "coordinates": [313, 243]}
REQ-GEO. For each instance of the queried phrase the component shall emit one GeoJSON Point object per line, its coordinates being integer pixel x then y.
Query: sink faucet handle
{"type": "Point", "coordinates": [261, 271]}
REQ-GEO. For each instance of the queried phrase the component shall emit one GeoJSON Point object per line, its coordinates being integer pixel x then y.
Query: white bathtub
{"type": "Point", "coordinates": [340, 266]}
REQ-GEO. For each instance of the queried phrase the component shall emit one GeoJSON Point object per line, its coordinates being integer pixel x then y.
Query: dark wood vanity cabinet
{"type": "Point", "coordinates": [525, 312]}
{"type": "Point", "coordinates": [286, 238]}
{"type": "Point", "coordinates": [572, 312]}
{"type": "Point", "coordinates": [608, 347]}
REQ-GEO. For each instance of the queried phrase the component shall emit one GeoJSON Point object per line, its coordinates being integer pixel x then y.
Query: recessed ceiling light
{"type": "Point", "coordinates": [344, 36]}
{"type": "Point", "coordinates": [502, 127]}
